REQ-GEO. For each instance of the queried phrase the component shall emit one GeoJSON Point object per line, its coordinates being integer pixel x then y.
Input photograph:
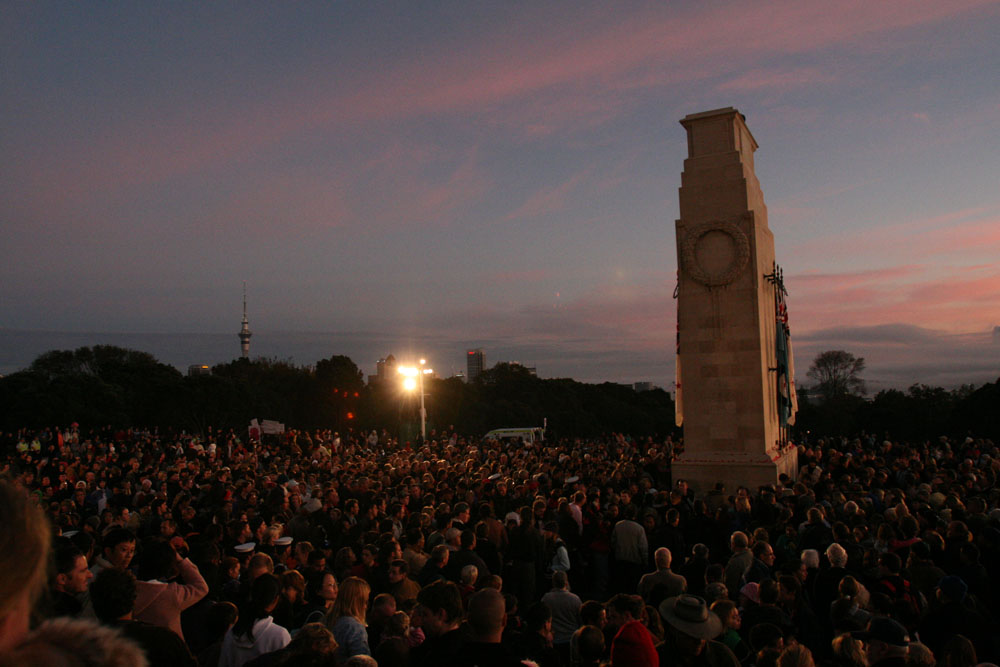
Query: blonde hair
{"type": "Point", "coordinates": [796, 655]}
{"type": "Point", "coordinates": [849, 651]}
{"type": "Point", "coordinates": [397, 625]}
{"type": "Point", "coordinates": [352, 600]}
{"type": "Point", "coordinates": [25, 542]}
{"type": "Point", "coordinates": [919, 655]}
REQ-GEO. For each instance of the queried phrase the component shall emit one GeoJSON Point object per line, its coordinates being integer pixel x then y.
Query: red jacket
{"type": "Point", "coordinates": [633, 646]}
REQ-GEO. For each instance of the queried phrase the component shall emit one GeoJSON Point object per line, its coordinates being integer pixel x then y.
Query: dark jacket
{"type": "Point", "coordinates": [162, 646]}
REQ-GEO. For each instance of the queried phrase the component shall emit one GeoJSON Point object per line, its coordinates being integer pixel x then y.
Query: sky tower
{"type": "Point", "coordinates": [245, 330]}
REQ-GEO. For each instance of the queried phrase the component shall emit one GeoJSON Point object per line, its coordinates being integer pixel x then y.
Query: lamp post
{"type": "Point", "coordinates": [414, 380]}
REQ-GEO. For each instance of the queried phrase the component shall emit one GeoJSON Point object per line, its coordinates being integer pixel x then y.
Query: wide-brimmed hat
{"type": "Point", "coordinates": [690, 615]}
{"type": "Point", "coordinates": [886, 630]}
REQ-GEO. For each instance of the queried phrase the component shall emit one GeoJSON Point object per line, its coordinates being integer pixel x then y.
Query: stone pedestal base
{"type": "Point", "coordinates": [734, 470]}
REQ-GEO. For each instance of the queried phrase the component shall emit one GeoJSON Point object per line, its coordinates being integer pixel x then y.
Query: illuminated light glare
{"type": "Point", "coordinates": [409, 384]}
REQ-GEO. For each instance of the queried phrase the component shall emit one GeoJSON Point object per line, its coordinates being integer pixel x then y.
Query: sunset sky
{"type": "Point", "coordinates": [423, 177]}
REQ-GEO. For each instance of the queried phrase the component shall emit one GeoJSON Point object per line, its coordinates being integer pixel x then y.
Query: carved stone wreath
{"type": "Point", "coordinates": [689, 256]}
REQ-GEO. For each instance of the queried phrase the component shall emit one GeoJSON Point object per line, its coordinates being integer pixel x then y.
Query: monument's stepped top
{"type": "Point", "coordinates": [721, 132]}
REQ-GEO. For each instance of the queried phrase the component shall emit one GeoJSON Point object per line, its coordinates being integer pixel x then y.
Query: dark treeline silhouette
{"type": "Point", "coordinates": [913, 415]}
{"type": "Point", "coordinates": [108, 385]}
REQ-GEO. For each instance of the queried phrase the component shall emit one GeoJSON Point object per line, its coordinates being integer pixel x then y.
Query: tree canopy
{"type": "Point", "coordinates": [838, 373]}
{"type": "Point", "coordinates": [115, 386]}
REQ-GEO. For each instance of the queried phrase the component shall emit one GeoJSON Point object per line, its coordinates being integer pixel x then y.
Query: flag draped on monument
{"type": "Point", "coordinates": [788, 404]}
{"type": "Point", "coordinates": [678, 400]}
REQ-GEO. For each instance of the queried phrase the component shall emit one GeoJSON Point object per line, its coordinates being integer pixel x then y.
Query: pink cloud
{"type": "Point", "coordinates": [981, 235]}
{"type": "Point", "coordinates": [955, 301]}
{"type": "Point", "coordinates": [417, 195]}
{"type": "Point", "coordinates": [583, 59]}
{"type": "Point", "coordinates": [548, 200]}
{"type": "Point", "coordinates": [776, 79]}
{"type": "Point", "coordinates": [973, 229]}
{"type": "Point", "coordinates": [851, 279]}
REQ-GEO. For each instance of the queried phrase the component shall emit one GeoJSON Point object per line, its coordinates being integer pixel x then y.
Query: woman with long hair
{"type": "Point", "coordinates": [255, 632]}
{"type": "Point", "coordinates": [292, 604]}
{"type": "Point", "coordinates": [958, 652]}
{"type": "Point", "coordinates": [347, 618]}
{"type": "Point", "coordinates": [24, 554]}
{"type": "Point", "coordinates": [322, 593]}
{"type": "Point", "coordinates": [847, 612]}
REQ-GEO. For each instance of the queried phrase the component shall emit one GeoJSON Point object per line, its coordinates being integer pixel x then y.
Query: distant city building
{"type": "Point", "coordinates": [475, 363]}
{"type": "Point", "coordinates": [244, 333]}
{"type": "Point", "coordinates": [644, 386]}
{"type": "Point", "coordinates": [384, 369]}
{"type": "Point", "coordinates": [198, 369]}
{"type": "Point", "coordinates": [996, 335]}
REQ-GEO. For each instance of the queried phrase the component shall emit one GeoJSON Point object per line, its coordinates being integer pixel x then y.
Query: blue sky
{"type": "Point", "coordinates": [418, 178]}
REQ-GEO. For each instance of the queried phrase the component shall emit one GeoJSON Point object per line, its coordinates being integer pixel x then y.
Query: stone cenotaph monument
{"type": "Point", "coordinates": [734, 395]}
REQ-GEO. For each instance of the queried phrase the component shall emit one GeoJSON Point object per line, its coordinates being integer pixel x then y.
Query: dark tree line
{"type": "Point", "coordinates": [107, 385]}
{"type": "Point", "coordinates": [836, 405]}
{"type": "Point", "coordinates": [112, 386]}
{"type": "Point", "coordinates": [917, 414]}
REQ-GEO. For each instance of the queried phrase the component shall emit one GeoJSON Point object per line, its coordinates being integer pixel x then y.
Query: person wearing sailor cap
{"type": "Point", "coordinates": [692, 632]}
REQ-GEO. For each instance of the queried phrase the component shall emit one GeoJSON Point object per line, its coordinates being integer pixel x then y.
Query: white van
{"type": "Point", "coordinates": [530, 434]}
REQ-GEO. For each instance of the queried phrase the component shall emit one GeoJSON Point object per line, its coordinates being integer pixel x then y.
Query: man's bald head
{"type": "Point", "coordinates": [487, 616]}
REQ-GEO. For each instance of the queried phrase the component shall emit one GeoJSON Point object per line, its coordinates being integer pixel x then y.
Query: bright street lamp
{"type": "Point", "coordinates": [414, 378]}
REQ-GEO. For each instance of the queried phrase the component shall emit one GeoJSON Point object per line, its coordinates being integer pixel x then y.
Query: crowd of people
{"type": "Point", "coordinates": [131, 547]}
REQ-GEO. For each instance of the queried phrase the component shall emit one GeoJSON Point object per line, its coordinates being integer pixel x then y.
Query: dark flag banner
{"type": "Point", "coordinates": [787, 400]}
{"type": "Point", "coordinates": [678, 399]}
